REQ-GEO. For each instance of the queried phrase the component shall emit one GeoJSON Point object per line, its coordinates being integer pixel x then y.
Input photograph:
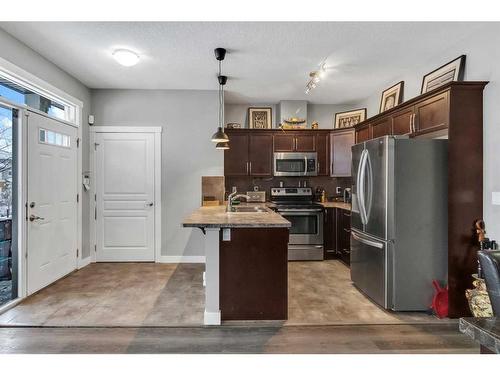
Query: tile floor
{"type": "Point", "coordinates": [158, 295]}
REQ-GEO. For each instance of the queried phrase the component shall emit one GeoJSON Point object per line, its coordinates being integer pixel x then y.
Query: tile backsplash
{"type": "Point", "coordinates": [245, 183]}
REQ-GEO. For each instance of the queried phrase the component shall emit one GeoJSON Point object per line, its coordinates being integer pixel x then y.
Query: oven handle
{"type": "Point", "coordinates": [300, 211]}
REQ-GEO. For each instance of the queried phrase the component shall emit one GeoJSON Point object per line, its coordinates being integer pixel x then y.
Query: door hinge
{"type": "Point", "coordinates": [95, 197]}
{"type": "Point", "coordinates": [77, 142]}
{"type": "Point", "coordinates": [77, 198]}
{"type": "Point", "coordinates": [95, 248]}
{"type": "Point", "coordinates": [95, 146]}
{"type": "Point", "coordinates": [77, 253]}
{"type": "Point", "coordinates": [95, 213]}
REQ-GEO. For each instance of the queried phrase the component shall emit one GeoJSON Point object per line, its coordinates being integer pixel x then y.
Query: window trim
{"type": "Point", "coordinates": [27, 80]}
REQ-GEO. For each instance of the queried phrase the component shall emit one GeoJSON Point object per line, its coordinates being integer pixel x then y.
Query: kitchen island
{"type": "Point", "coordinates": [246, 263]}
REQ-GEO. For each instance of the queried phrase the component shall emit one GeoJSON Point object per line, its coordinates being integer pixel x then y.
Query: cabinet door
{"type": "Point", "coordinates": [401, 121]}
{"type": "Point", "coordinates": [323, 154]}
{"type": "Point", "coordinates": [330, 234]}
{"type": "Point", "coordinates": [305, 143]}
{"type": "Point", "coordinates": [236, 158]}
{"type": "Point", "coordinates": [432, 114]}
{"type": "Point", "coordinates": [382, 127]}
{"type": "Point", "coordinates": [260, 155]}
{"type": "Point", "coordinates": [341, 143]}
{"type": "Point", "coordinates": [344, 235]}
{"type": "Point", "coordinates": [284, 143]}
{"type": "Point", "coordinates": [363, 133]}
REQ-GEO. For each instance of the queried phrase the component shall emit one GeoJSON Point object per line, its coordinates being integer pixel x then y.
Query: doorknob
{"type": "Point", "coordinates": [150, 204]}
{"type": "Point", "coordinates": [34, 217]}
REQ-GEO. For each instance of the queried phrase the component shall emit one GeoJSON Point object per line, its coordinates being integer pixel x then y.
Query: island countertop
{"type": "Point", "coordinates": [485, 331]}
{"type": "Point", "coordinates": [217, 217]}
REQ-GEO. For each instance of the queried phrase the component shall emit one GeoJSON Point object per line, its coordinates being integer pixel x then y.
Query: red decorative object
{"type": "Point", "coordinates": [440, 300]}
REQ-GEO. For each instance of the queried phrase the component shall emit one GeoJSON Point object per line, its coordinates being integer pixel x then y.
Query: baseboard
{"type": "Point", "coordinates": [84, 262]}
{"type": "Point", "coordinates": [181, 259]}
{"type": "Point", "coordinates": [211, 318]}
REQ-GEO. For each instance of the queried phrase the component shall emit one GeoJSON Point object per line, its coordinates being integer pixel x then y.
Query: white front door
{"type": "Point", "coordinates": [125, 197]}
{"type": "Point", "coordinates": [52, 201]}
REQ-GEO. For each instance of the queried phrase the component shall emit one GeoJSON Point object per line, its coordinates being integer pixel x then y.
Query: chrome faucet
{"type": "Point", "coordinates": [232, 197]}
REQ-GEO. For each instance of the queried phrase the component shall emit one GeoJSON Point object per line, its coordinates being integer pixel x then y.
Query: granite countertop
{"type": "Point", "coordinates": [217, 217]}
{"type": "Point", "coordinates": [342, 205]}
{"type": "Point", "coordinates": [485, 331]}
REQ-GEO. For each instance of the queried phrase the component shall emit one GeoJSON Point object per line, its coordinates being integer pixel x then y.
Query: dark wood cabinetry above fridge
{"type": "Point", "coordinates": [251, 151]}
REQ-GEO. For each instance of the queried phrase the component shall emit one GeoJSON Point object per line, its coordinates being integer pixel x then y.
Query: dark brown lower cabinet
{"type": "Point", "coordinates": [337, 234]}
{"type": "Point", "coordinates": [253, 274]}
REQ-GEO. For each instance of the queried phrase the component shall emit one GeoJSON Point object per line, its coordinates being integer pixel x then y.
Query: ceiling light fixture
{"type": "Point", "coordinates": [220, 136]}
{"type": "Point", "coordinates": [314, 78]}
{"type": "Point", "coordinates": [126, 57]}
{"type": "Point", "coordinates": [222, 146]}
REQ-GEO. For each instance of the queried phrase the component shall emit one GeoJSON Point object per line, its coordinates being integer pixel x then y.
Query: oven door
{"type": "Point", "coordinates": [307, 226]}
{"type": "Point", "coordinates": [295, 164]}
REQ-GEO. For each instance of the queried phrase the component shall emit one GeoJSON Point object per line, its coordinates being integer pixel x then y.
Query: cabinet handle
{"type": "Point", "coordinates": [250, 168]}
{"type": "Point", "coordinates": [247, 167]}
{"type": "Point", "coordinates": [318, 167]}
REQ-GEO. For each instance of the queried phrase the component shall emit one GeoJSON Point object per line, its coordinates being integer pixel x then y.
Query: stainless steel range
{"type": "Point", "coordinates": [306, 233]}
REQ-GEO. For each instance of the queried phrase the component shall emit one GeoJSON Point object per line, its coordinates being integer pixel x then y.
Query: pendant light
{"type": "Point", "coordinates": [220, 136]}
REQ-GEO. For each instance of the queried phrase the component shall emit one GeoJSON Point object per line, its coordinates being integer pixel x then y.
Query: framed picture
{"type": "Point", "coordinates": [391, 97]}
{"type": "Point", "coordinates": [260, 117]}
{"type": "Point", "coordinates": [349, 118]}
{"type": "Point", "coordinates": [452, 71]}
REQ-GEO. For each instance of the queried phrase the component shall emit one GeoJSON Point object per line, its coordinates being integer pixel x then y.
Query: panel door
{"type": "Point", "coordinates": [305, 143]}
{"type": "Point", "coordinates": [260, 155]}
{"type": "Point", "coordinates": [341, 153]}
{"type": "Point", "coordinates": [236, 158]}
{"type": "Point", "coordinates": [284, 143]}
{"type": "Point", "coordinates": [432, 114]}
{"type": "Point", "coordinates": [363, 133]}
{"type": "Point", "coordinates": [401, 121]}
{"type": "Point", "coordinates": [52, 203]}
{"type": "Point", "coordinates": [125, 197]}
{"type": "Point", "coordinates": [323, 154]}
{"type": "Point", "coordinates": [382, 127]}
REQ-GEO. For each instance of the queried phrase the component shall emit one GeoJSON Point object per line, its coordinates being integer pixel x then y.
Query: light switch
{"type": "Point", "coordinates": [495, 198]}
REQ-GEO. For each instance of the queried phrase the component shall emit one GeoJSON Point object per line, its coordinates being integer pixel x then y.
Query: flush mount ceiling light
{"type": "Point", "coordinates": [125, 57]}
{"type": "Point", "coordinates": [219, 136]}
{"type": "Point", "coordinates": [314, 78]}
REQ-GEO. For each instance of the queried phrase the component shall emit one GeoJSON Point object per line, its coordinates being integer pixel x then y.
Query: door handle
{"type": "Point", "coordinates": [35, 217]}
{"type": "Point", "coordinates": [150, 204]}
{"type": "Point", "coordinates": [305, 165]}
{"type": "Point", "coordinates": [367, 241]}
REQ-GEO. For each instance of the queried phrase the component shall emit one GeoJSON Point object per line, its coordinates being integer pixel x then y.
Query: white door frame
{"type": "Point", "coordinates": [156, 130]}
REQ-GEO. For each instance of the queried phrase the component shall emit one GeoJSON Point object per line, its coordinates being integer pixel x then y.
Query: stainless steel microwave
{"type": "Point", "coordinates": [295, 164]}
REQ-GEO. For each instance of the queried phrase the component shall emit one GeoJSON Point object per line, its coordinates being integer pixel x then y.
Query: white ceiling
{"type": "Point", "coordinates": [266, 62]}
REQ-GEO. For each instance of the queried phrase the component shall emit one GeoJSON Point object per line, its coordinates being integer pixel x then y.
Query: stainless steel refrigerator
{"type": "Point", "coordinates": [399, 221]}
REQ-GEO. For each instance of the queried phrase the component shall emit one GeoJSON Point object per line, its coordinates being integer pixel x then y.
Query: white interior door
{"type": "Point", "coordinates": [52, 201]}
{"type": "Point", "coordinates": [125, 197]}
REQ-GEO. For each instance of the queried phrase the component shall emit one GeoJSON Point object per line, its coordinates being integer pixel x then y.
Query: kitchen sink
{"type": "Point", "coordinates": [247, 209]}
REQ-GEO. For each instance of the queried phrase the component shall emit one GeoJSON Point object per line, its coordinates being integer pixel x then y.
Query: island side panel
{"type": "Point", "coordinates": [254, 274]}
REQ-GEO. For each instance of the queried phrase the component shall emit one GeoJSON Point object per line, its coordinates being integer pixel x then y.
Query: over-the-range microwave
{"type": "Point", "coordinates": [295, 164]}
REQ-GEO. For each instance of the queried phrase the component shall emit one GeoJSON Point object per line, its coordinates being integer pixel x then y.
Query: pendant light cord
{"type": "Point", "coordinates": [221, 97]}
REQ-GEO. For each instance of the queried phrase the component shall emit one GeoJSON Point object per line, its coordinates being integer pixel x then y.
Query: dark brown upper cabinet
{"type": "Point", "coordinates": [323, 150]}
{"type": "Point", "coordinates": [236, 161]}
{"type": "Point", "coordinates": [340, 145]}
{"type": "Point", "coordinates": [363, 133]}
{"type": "Point", "coordinates": [432, 114]}
{"type": "Point", "coordinates": [250, 154]}
{"type": "Point", "coordinates": [402, 121]}
{"type": "Point", "coordinates": [284, 143]}
{"type": "Point", "coordinates": [305, 143]}
{"type": "Point", "coordinates": [382, 127]}
{"type": "Point", "coordinates": [294, 142]}
{"type": "Point", "coordinates": [260, 155]}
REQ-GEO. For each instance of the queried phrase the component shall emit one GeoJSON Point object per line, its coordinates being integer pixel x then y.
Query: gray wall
{"type": "Point", "coordinates": [483, 54]}
{"type": "Point", "coordinates": [25, 58]}
{"type": "Point", "coordinates": [188, 119]}
{"type": "Point", "coordinates": [239, 113]}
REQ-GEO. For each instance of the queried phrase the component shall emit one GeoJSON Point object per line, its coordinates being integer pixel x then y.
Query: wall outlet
{"type": "Point", "coordinates": [338, 190]}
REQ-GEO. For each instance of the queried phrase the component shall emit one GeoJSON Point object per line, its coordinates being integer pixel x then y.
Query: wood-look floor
{"type": "Point", "coordinates": [376, 339]}
{"type": "Point", "coordinates": [159, 295]}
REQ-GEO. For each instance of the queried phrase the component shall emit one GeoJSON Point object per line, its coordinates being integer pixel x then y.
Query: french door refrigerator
{"type": "Point", "coordinates": [399, 220]}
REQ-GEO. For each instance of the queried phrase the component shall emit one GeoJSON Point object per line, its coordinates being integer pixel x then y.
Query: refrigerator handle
{"type": "Point", "coordinates": [366, 241]}
{"type": "Point", "coordinates": [369, 170]}
{"type": "Point", "coordinates": [361, 186]}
